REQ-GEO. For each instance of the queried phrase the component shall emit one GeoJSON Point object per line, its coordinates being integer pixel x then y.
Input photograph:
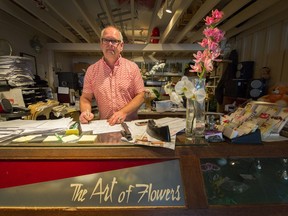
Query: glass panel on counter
{"type": "Point", "coordinates": [236, 181]}
{"type": "Point", "coordinates": [102, 183]}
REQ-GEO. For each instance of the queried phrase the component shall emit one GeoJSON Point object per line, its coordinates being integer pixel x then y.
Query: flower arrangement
{"type": "Point", "coordinates": [186, 88]}
{"type": "Point", "coordinates": [203, 62]}
{"type": "Point", "coordinates": [213, 36]}
{"type": "Point", "coordinates": [155, 68]}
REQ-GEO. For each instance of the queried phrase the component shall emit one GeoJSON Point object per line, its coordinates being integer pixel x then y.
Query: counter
{"type": "Point", "coordinates": [109, 149]}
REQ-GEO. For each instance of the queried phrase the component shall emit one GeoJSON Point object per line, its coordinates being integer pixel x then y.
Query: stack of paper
{"type": "Point", "coordinates": [16, 128]}
{"type": "Point", "coordinates": [17, 70]}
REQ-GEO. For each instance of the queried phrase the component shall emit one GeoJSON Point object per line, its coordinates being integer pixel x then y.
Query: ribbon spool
{"type": "Point", "coordinates": [5, 106]}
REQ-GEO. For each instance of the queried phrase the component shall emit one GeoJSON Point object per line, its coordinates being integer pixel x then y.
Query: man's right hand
{"type": "Point", "coordinates": [86, 117]}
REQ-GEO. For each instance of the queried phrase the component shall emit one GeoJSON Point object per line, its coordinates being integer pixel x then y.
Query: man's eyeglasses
{"type": "Point", "coordinates": [113, 42]}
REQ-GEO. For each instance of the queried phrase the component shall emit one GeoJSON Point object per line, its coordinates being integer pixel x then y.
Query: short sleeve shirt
{"type": "Point", "coordinates": [113, 89]}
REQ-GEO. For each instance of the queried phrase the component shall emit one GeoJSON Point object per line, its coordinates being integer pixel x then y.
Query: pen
{"type": "Point", "coordinates": [75, 126]}
{"type": "Point", "coordinates": [87, 113]}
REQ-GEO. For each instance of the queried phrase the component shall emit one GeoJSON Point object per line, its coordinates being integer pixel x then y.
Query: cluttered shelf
{"type": "Point", "coordinates": [160, 79]}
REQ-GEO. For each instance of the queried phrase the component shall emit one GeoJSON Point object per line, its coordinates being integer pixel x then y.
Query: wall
{"type": "Point", "coordinates": [267, 45]}
{"type": "Point", "coordinates": [62, 63]}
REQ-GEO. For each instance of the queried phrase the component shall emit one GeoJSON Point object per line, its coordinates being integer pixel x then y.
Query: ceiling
{"type": "Point", "coordinates": [79, 22]}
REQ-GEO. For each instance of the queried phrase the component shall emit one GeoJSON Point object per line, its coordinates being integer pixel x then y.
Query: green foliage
{"type": "Point", "coordinates": [157, 93]}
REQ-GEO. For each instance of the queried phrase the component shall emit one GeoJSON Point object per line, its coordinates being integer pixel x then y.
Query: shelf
{"type": "Point", "coordinates": [35, 94]}
{"type": "Point", "coordinates": [168, 74]}
{"type": "Point", "coordinates": [154, 83]}
{"type": "Point", "coordinates": [213, 77]}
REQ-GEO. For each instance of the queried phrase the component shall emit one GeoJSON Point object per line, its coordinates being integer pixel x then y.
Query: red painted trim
{"type": "Point", "coordinates": [16, 173]}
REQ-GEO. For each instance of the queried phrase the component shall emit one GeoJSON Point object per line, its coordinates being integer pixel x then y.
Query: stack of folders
{"type": "Point", "coordinates": [29, 130]}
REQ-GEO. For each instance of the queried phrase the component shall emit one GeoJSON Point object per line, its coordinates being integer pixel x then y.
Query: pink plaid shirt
{"type": "Point", "coordinates": [113, 89]}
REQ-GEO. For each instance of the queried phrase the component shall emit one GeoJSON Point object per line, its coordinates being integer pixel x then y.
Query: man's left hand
{"type": "Point", "coordinates": [117, 118]}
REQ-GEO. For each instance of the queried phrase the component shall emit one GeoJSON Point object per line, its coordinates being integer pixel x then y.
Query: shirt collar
{"type": "Point", "coordinates": [118, 61]}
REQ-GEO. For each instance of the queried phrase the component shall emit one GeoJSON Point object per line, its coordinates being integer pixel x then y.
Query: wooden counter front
{"type": "Point", "coordinates": [188, 155]}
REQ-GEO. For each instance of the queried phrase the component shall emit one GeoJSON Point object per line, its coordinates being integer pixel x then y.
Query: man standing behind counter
{"type": "Point", "coordinates": [115, 82]}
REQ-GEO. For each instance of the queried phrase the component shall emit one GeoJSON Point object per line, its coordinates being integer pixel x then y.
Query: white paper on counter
{"type": "Point", "coordinates": [141, 137]}
{"type": "Point", "coordinates": [100, 127]}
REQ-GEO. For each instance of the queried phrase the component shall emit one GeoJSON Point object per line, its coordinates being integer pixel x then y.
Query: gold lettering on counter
{"type": "Point", "coordinates": [109, 193]}
{"type": "Point", "coordinates": [159, 194]}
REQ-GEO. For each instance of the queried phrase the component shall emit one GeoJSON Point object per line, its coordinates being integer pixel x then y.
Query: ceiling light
{"type": "Point", "coordinates": [169, 5]}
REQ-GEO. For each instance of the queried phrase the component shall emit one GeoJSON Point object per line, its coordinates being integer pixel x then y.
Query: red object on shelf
{"type": "Point", "coordinates": [155, 33]}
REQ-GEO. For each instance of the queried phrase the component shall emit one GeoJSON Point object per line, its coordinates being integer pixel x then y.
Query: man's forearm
{"type": "Point", "coordinates": [85, 105]}
{"type": "Point", "coordinates": [134, 104]}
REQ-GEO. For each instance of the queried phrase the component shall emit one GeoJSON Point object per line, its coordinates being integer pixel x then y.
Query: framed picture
{"type": "Point", "coordinates": [33, 60]}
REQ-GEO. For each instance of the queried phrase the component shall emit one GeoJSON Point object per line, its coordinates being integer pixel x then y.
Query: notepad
{"type": "Point", "coordinates": [70, 138]}
{"type": "Point", "coordinates": [51, 139]}
{"type": "Point", "coordinates": [87, 139]}
{"type": "Point", "coordinates": [25, 138]}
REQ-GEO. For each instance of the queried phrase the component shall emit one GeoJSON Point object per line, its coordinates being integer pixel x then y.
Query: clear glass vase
{"type": "Point", "coordinates": [189, 117]}
{"type": "Point", "coordinates": [199, 106]}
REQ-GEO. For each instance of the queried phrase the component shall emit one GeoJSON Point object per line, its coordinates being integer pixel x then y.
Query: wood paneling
{"type": "Point", "coordinates": [266, 45]}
